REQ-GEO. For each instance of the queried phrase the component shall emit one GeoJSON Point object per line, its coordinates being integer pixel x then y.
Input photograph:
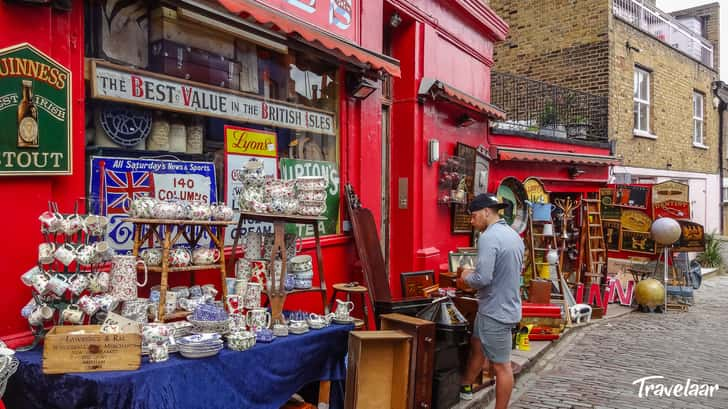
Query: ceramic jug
{"type": "Point", "coordinates": [124, 277]}
{"type": "Point", "coordinates": [343, 308]}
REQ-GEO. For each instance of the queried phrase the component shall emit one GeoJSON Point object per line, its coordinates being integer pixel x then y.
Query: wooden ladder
{"type": "Point", "coordinates": [593, 239]}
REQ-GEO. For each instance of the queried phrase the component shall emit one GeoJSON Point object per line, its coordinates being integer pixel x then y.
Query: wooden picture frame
{"type": "Point", "coordinates": [414, 282]}
{"type": "Point", "coordinates": [456, 258]}
{"type": "Point", "coordinates": [460, 223]}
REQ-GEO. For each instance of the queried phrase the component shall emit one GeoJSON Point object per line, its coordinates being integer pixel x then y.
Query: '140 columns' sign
{"type": "Point", "coordinates": [116, 83]}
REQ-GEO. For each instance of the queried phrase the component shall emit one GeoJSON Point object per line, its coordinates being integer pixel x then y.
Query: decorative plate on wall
{"type": "Point", "coordinates": [126, 126]}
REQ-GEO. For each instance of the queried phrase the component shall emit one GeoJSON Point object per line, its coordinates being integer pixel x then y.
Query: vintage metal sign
{"type": "Point", "coordinates": [692, 237]}
{"type": "Point", "coordinates": [115, 83]}
{"type": "Point", "coordinates": [339, 17]}
{"type": "Point", "coordinates": [535, 190]}
{"type": "Point", "coordinates": [35, 101]}
{"type": "Point", "coordinates": [671, 199]}
{"type": "Point", "coordinates": [295, 168]}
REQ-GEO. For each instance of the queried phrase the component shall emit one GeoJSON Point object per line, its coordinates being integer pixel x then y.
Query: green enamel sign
{"type": "Point", "coordinates": [295, 168]}
{"type": "Point", "coordinates": [35, 115]}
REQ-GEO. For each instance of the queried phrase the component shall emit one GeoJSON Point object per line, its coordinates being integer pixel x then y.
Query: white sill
{"type": "Point", "coordinates": [700, 146]}
{"type": "Point", "coordinates": [643, 134]}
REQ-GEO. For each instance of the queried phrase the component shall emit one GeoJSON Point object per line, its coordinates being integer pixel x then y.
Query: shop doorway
{"type": "Point", "coordinates": [384, 233]}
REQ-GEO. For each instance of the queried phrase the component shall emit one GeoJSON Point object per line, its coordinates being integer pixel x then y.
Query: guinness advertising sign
{"type": "Point", "coordinates": [35, 119]}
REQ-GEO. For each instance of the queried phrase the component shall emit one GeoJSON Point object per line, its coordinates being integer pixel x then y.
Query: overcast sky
{"type": "Point", "coordinates": [672, 5]}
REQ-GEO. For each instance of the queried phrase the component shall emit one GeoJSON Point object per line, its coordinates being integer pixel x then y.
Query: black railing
{"type": "Point", "coordinates": [545, 109]}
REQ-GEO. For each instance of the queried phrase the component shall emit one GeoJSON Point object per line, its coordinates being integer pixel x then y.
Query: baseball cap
{"type": "Point", "coordinates": [484, 200]}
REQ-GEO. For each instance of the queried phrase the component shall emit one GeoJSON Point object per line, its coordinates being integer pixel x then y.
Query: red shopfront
{"type": "Point", "coordinates": [446, 52]}
{"type": "Point", "coordinates": [341, 42]}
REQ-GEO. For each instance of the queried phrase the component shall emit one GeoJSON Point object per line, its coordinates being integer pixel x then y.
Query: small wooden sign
{"type": "Point", "coordinates": [692, 237]}
{"type": "Point", "coordinates": [611, 234]}
{"type": "Point", "coordinates": [65, 350]}
{"type": "Point", "coordinates": [637, 242]}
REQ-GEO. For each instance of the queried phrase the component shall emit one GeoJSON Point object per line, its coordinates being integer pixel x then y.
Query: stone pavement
{"type": "Point", "coordinates": [595, 366]}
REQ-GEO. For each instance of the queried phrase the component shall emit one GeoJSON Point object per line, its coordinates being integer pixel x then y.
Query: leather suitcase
{"type": "Point", "coordinates": [422, 356]}
{"type": "Point", "coordinates": [194, 64]}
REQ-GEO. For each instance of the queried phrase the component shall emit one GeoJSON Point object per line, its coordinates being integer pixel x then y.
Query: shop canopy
{"type": "Point", "coordinates": [437, 89]}
{"type": "Point", "coordinates": [292, 26]}
{"type": "Point", "coordinates": [531, 155]}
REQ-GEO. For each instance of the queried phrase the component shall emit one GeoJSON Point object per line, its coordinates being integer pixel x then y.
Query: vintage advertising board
{"type": "Point", "coordinates": [536, 191]}
{"type": "Point", "coordinates": [116, 83]}
{"type": "Point", "coordinates": [296, 168]}
{"type": "Point", "coordinates": [35, 113]}
{"type": "Point", "coordinates": [692, 237]}
{"type": "Point", "coordinates": [241, 146]}
{"type": "Point", "coordinates": [671, 199]}
{"type": "Point", "coordinates": [611, 234]}
{"type": "Point", "coordinates": [637, 242]}
{"type": "Point", "coordinates": [115, 182]}
{"type": "Point", "coordinates": [609, 212]}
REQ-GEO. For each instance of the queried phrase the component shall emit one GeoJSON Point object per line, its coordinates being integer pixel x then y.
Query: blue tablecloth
{"type": "Point", "coordinates": [263, 377]}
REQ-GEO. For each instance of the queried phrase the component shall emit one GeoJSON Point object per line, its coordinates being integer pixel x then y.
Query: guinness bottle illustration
{"type": "Point", "coordinates": [27, 118]}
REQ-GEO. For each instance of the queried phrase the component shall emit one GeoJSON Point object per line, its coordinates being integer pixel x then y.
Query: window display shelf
{"type": "Point", "coordinates": [276, 293]}
{"type": "Point", "coordinates": [161, 232]}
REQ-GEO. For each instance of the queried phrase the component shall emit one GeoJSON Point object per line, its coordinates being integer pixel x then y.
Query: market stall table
{"type": "Point", "coordinates": [263, 377]}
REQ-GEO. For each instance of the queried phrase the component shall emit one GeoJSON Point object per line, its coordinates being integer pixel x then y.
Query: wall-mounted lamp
{"type": "Point", "coordinates": [464, 120]}
{"type": "Point", "coordinates": [362, 87]}
{"type": "Point", "coordinates": [574, 171]}
{"type": "Point", "coordinates": [433, 151]}
{"type": "Point", "coordinates": [395, 20]}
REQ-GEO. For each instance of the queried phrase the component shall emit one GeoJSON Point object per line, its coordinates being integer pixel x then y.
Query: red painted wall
{"type": "Point", "coordinates": [439, 40]}
{"type": "Point", "coordinates": [58, 34]}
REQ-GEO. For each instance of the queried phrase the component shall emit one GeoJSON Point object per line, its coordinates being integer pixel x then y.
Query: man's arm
{"type": "Point", "coordinates": [483, 274]}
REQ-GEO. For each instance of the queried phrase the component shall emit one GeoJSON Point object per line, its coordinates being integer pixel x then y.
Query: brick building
{"type": "Point", "coordinates": [655, 69]}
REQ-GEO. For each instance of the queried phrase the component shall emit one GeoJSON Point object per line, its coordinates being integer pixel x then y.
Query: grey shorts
{"type": "Point", "coordinates": [495, 337]}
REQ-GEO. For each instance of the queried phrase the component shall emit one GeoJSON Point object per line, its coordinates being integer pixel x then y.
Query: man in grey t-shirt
{"type": "Point", "coordinates": [497, 278]}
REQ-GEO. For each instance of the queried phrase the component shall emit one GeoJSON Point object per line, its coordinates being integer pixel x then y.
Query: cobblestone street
{"type": "Point", "coordinates": [595, 367]}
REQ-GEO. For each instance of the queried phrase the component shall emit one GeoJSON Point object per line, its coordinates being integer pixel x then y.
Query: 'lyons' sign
{"type": "Point", "coordinates": [35, 96]}
{"type": "Point", "coordinates": [115, 83]}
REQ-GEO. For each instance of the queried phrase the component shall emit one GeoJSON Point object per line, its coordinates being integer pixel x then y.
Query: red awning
{"type": "Point", "coordinates": [291, 26]}
{"type": "Point", "coordinates": [530, 155]}
{"type": "Point", "coordinates": [437, 89]}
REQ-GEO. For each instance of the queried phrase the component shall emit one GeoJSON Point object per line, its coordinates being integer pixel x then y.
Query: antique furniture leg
{"type": "Point", "coordinates": [166, 244]}
{"type": "Point", "coordinates": [277, 292]}
{"type": "Point", "coordinates": [320, 263]}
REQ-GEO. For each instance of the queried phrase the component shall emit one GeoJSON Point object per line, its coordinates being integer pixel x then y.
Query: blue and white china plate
{"type": "Point", "coordinates": [199, 338]}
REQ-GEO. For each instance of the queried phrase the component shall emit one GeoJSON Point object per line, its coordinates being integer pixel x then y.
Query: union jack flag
{"type": "Point", "coordinates": [123, 187]}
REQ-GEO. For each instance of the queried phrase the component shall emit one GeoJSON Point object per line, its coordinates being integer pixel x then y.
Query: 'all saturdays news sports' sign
{"type": "Point", "coordinates": [115, 83]}
{"type": "Point", "coordinates": [35, 100]}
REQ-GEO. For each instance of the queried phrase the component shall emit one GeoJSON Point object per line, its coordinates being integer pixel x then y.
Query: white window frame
{"type": "Point", "coordinates": [642, 100]}
{"type": "Point", "coordinates": [698, 119]}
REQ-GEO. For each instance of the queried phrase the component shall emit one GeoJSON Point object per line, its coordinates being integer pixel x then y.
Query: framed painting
{"type": "Point", "coordinates": [414, 282]}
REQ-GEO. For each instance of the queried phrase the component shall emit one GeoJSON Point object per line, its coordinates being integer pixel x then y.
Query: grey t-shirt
{"type": "Point", "coordinates": [497, 275]}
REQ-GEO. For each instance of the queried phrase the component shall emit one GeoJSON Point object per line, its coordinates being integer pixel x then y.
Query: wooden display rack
{"type": "Point", "coordinates": [192, 230]}
{"type": "Point", "coordinates": [277, 294]}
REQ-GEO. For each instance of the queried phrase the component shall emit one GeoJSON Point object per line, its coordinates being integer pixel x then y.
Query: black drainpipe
{"type": "Point", "coordinates": [720, 90]}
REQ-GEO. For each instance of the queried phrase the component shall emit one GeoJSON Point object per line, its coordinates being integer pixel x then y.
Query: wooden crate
{"type": "Point", "coordinates": [165, 24]}
{"type": "Point", "coordinates": [422, 357]}
{"type": "Point", "coordinates": [378, 370]}
{"type": "Point", "coordinates": [90, 352]}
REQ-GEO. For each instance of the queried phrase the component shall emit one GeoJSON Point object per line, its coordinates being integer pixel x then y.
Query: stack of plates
{"type": "Point", "coordinates": [200, 346]}
{"type": "Point", "coordinates": [172, 347]}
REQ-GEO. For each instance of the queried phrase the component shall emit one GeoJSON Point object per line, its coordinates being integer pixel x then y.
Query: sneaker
{"type": "Point", "coordinates": [466, 392]}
